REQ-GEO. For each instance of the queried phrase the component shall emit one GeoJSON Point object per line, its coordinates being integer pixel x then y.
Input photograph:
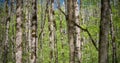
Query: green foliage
{"type": "Point", "coordinates": [89, 53]}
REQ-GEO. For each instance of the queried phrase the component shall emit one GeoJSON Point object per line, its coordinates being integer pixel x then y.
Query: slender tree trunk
{"type": "Point", "coordinates": [70, 25]}
{"type": "Point", "coordinates": [114, 55]}
{"type": "Point", "coordinates": [104, 30]}
{"type": "Point", "coordinates": [27, 29]}
{"type": "Point", "coordinates": [77, 32]}
{"type": "Point", "coordinates": [34, 32]}
{"type": "Point", "coordinates": [29, 34]}
{"type": "Point", "coordinates": [42, 24]}
{"type": "Point", "coordinates": [52, 35]}
{"type": "Point", "coordinates": [13, 29]}
{"type": "Point", "coordinates": [113, 39]}
{"type": "Point", "coordinates": [19, 15]}
{"type": "Point", "coordinates": [7, 33]}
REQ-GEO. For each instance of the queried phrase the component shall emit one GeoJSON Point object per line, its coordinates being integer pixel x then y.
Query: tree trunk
{"type": "Point", "coordinates": [52, 35]}
{"type": "Point", "coordinates": [27, 29]}
{"type": "Point", "coordinates": [13, 28]}
{"type": "Point", "coordinates": [77, 32]}
{"type": "Point", "coordinates": [34, 32]}
{"type": "Point", "coordinates": [70, 25]}
{"type": "Point", "coordinates": [42, 24]}
{"type": "Point", "coordinates": [104, 30]}
{"type": "Point", "coordinates": [113, 38]}
{"type": "Point", "coordinates": [19, 15]}
{"type": "Point", "coordinates": [7, 33]}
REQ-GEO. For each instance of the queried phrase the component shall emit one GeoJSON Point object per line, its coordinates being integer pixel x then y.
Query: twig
{"type": "Point", "coordinates": [61, 11]}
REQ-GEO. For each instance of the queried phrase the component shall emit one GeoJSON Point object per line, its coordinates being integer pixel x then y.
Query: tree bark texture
{"type": "Point", "coordinates": [77, 32]}
{"type": "Point", "coordinates": [70, 25]}
{"type": "Point", "coordinates": [7, 33]}
{"type": "Point", "coordinates": [104, 30]}
{"type": "Point", "coordinates": [19, 22]}
{"type": "Point", "coordinates": [52, 34]}
{"type": "Point", "coordinates": [34, 32]}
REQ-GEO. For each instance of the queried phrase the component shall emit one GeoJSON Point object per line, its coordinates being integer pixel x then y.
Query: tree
{"type": "Point", "coordinates": [13, 27]}
{"type": "Point", "coordinates": [34, 32]}
{"type": "Point", "coordinates": [104, 30]}
{"type": "Point", "coordinates": [5, 60]}
{"type": "Point", "coordinates": [113, 37]}
{"type": "Point", "coordinates": [52, 34]}
{"type": "Point", "coordinates": [19, 22]}
{"type": "Point", "coordinates": [59, 31]}
{"type": "Point", "coordinates": [28, 28]}
{"type": "Point", "coordinates": [70, 27]}
{"type": "Point", "coordinates": [77, 31]}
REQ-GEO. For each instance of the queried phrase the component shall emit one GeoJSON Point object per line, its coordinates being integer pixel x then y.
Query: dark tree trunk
{"type": "Point", "coordinates": [104, 30]}
{"type": "Point", "coordinates": [70, 26]}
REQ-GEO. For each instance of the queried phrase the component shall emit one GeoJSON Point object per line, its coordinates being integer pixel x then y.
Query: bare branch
{"type": "Point", "coordinates": [92, 39]}
{"type": "Point", "coordinates": [86, 30]}
{"type": "Point", "coordinates": [61, 11]}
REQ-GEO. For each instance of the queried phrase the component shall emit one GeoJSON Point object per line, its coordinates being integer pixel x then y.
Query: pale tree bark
{"type": "Point", "coordinates": [29, 34]}
{"type": "Point", "coordinates": [5, 59]}
{"type": "Point", "coordinates": [52, 34]}
{"type": "Point", "coordinates": [19, 22]}
{"type": "Point", "coordinates": [28, 28]}
{"type": "Point", "coordinates": [70, 25]}
{"type": "Point", "coordinates": [77, 32]}
{"type": "Point", "coordinates": [104, 30]}
{"type": "Point", "coordinates": [81, 23]}
{"type": "Point", "coordinates": [34, 32]}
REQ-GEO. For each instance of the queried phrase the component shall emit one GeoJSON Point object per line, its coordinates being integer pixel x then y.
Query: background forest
{"type": "Point", "coordinates": [59, 31]}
